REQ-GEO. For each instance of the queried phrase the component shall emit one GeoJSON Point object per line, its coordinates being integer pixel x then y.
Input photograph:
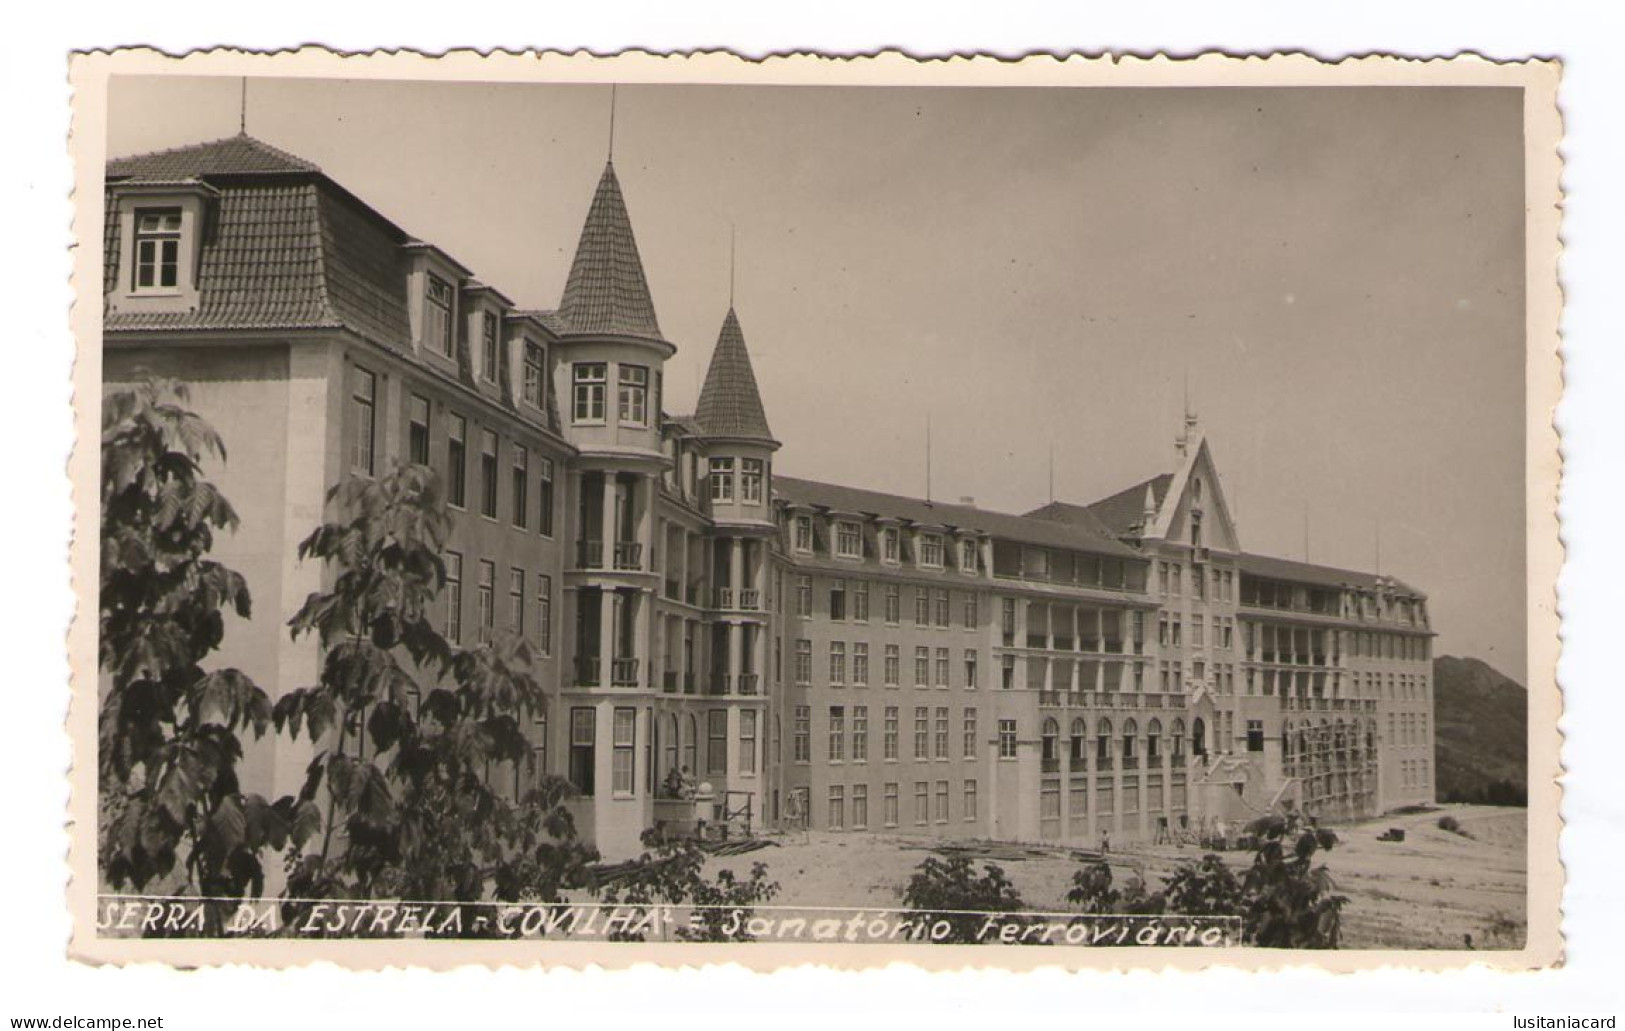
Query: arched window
{"type": "Point", "coordinates": [1080, 734]}
{"type": "Point", "coordinates": [1103, 740]}
{"type": "Point", "coordinates": [1052, 731]}
{"type": "Point", "coordinates": [691, 761]}
{"type": "Point", "coordinates": [1153, 738]}
{"type": "Point", "coordinates": [1131, 730]}
{"type": "Point", "coordinates": [1179, 736]}
{"type": "Point", "coordinates": [1198, 737]}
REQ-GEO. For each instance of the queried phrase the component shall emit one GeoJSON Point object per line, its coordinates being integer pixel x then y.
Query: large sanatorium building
{"type": "Point", "coordinates": [811, 654]}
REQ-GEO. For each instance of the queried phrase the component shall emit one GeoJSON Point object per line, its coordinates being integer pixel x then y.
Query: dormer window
{"type": "Point", "coordinates": [931, 550]}
{"type": "Point", "coordinates": [848, 539]}
{"type": "Point", "coordinates": [890, 544]}
{"type": "Point", "coordinates": [967, 556]}
{"type": "Point", "coordinates": [490, 346]}
{"type": "Point", "coordinates": [438, 315]}
{"type": "Point", "coordinates": [534, 376]}
{"type": "Point", "coordinates": [157, 250]}
{"type": "Point", "coordinates": [804, 534]}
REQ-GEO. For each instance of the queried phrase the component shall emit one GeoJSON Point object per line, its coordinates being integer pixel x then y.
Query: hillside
{"type": "Point", "coordinates": [1482, 719]}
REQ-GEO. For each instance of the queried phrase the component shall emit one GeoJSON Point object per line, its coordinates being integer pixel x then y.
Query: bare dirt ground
{"type": "Point", "coordinates": [1428, 892]}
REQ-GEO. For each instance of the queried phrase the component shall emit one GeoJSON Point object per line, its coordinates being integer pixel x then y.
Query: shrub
{"type": "Point", "coordinates": [950, 892]}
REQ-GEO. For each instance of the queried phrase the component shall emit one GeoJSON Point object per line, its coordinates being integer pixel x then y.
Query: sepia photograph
{"type": "Point", "coordinates": [885, 516]}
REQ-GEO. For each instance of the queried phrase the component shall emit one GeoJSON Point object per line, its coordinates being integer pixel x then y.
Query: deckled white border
{"type": "Point", "coordinates": [1543, 133]}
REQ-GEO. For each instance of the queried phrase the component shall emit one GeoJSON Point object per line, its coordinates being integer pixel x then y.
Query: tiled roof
{"type": "Point", "coordinates": [607, 292]}
{"type": "Point", "coordinates": [1124, 512]}
{"type": "Point", "coordinates": [1003, 525]}
{"type": "Point", "coordinates": [1072, 515]}
{"type": "Point", "coordinates": [730, 404]}
{"type": "Point", "coordinates": [1308, 573]}
{"type": "Point", "coordinates": [549, 319]}
{"type": "Point", "coordinates": [234, 155]}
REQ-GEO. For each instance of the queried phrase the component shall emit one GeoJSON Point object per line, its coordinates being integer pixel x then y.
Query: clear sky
{"type": "Point", "coordinates": [1338, 274]}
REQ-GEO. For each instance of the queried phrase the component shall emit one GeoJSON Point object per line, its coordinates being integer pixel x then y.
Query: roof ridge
{"type": "Point", "coordinates": [130, 165]}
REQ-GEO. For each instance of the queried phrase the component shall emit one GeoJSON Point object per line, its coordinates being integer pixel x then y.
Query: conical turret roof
{"type": "Point", "coordinates": [730, 404]}
{"type": "Point", "coordinates": [607, 292]}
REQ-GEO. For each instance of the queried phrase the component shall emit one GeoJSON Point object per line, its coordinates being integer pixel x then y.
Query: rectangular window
{"type": "Point", "coordinates": [544, 613]}
{"type": "Point", "coordinates": [623, 780]}
{"type": "Point", "coordinates": [860, 664]}
{"type": "Point", "coordinates": [972, 617]}
{"type": "Point", "coordinates": [860, 601]}
{"type": "Point", "coordinates": [922, 667]}
{"type": "Point", "coordinates": [970, 734]}
{"type": "Point", "coordinates": [722, 479]}
{"type": "Point", "coordinates": [970, 669]}
{"type": "Point", "coordinates": [634, 395]}
{"type": "Point", "coordinates": [804, 534]}
{"type": "Point", "coordinates": [516, 602]}
{"type": "Point", "coordinates": [889, 743]}
{"type": "Point", "coordinates": [1007, 739]}
{"type": "Point", "coordinates": [890, 547]}
{"type": "Point", "coordinates": [894, 604]}
{"type": "Point", "coordinates": [417, 430]}
{"type": "Point", "coordinates": [848, 539]}
{"type": "Point", "coordinates": [747, 740]}
{"type": "Point", "coordinates": [940, 740]}
{"type": "Point", "coordinates": [890, 805]}
{"type": "Point", "coordinates": [837, 663]}
{"type": "Point", "coordinates": [454, 597]}
{"type": "Point", "coordinates": [922, 802]}
{"type": "Point", "coordinates": [437, 326]}
{"type": "Point", "coordinates": [533, 389]}
{"type": "Point", "coordinates": [583, 732]}
{"type": "Point", "coordinates": [457, 462]}
{"type": "Point", "coordinates": [488, 474]}
{"type": "Point", "coordinates": [860, 807]}
{"type": "Point", "coordinates": [157, 248]}
{"type": "Point", "coordinates": [942, 802]}
{"type": "Point", "coordinates": [752, 471]}
{"type": "Point", "coordinates": [590, 381]}
{"type": "Point", "coordinates": [922, 732]}
{"type": "Point", "coordinates": [801, 743]}
{"type": "Point", "coordinates": [894, 664]}
{"type": "Point", "coordinates": [943, 609]}
{"type": "Point", "coordinates": [490, 346]}
{"type": "Point", "coordinates": [803, 662]}
{"type": "Point", "coordinates": [860, 733]}
{"type": "Point", "coordinates": [716, 742]}
{"type": "Point", "coordinates": [485, 600]}
{"type": "Point", "coordinates": [364, 421]}
{"type": "Point", "coordinates": [922, 607]}
{"type": "Point", "coordinates": [931, 550]}
{"type": "Point", "coordinates": [837, 807]}
{"type": "Point", "coordinates": [967, 556]}
{"type": "Point", "coordinates": [837, 599]}
{"type": "Point", "coordinates": [544, 509]}
{"type": "Point", "coordinates": [804, 596]}
{"type": "Point", "coordinates": [521, 486]}
{"type": "Point", "coordinates": [970, 800]}
{"type": "Point", "coordinates": [837, 733]}
{"type": "Point", "coordinates": [942, 667]}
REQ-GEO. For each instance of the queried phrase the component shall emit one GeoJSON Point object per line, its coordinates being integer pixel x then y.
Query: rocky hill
{"type": "Point", "coordinates": [1482, 718]}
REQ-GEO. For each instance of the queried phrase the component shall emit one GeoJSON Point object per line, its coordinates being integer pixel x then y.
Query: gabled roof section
{"type": "Point", "coordinates": [235, 155]}
{"type": "Point", "coordinates": [1124, 512]}
{"type": "Point", "coordinates": [607, 292]}
{"type": "Point", "coordinates": [1073, 515]}
{"type": "Point", "coordinates": [730, 404]}
{"type": "Point", "coordinates": [1022, 529]}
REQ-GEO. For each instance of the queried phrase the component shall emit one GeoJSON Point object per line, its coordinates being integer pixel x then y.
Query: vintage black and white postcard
{"type": "Point", "coordinates": [560, 510]}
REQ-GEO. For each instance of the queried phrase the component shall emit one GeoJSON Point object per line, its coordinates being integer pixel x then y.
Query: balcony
{"type": "Point", "coordinates": [1103, 764]}
{"type": "Point", "coordinates": [1131, 762]}
{"type": "Point", "coordinates": [668, 681]}
{"type": "Point", "coordinates": [624, 672]}
{"type": "Point", "coordinates": [750, 599]}
{"type": "Point", "coordinates": [1177, 761]}
{"type": "Point", "coordinates": [1076, 699]}
{"type": "Point", "coordinates": [722, 598]}
{"type": "Point", "coordinates": [589, 554]}
{"type": "Point", "coordinates": [672, 589]}
{"type": "Point", "coordinates": [1049, 698]}
{"type": "Point", "coordinates": [720, 684]}
{"type": "Point", "coordinates": [688, 683]}
{"type": "Point", "coordinates": [1049, 766]}
{"type": "Point", "coordinates": [750, 683]}
{"type": "Point", "coordinates": [629, 555]}
{"type": "Point", "coordinates": [588, 671]}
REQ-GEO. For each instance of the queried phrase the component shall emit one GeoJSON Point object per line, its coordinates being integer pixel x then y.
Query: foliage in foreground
{"type": "Point", "coordinates": [953, 893]}
{"type": "Point", "coordinates": [170, 734]}
{"type": "Point", "coordinates": [673, 874]}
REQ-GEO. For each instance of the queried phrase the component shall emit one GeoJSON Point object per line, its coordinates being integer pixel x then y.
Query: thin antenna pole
{"type": "Point", "coordinates": [1052, 472]}
{"type": "Point", "coordinates": [927, 456]}
{"type": "Point", "coordinates": [1306, 531]}
{"type": "Point", "coordinates": [242, 108]}
{"type": "Point", "coordinates": [732, 248]}
{"type": "Point", "coordinates": [612, 121]}
{"type": "Point", "coordinates": [1378, 570]}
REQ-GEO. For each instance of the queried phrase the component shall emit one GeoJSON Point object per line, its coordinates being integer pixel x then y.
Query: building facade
{"type": "Point", "coordinates": [792, 653]}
